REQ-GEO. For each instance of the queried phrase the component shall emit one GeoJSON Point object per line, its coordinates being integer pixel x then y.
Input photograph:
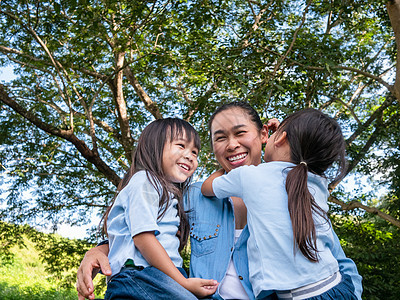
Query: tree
{"type": "Point", "coordinates": [91, 74]}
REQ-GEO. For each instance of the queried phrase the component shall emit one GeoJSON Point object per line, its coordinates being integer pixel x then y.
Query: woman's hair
{"type": "Point", "coordinates": [247, 108]}
{"type": "Point", "coordinates": [148, 157]}
{"type": "Point", "coordinates": [316, 142]}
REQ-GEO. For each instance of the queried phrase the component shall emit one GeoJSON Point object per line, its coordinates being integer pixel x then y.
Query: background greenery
{"type": "Point", "coordinates": [91, 74]}
{"type": "Point", "coordinates": [34, 265]}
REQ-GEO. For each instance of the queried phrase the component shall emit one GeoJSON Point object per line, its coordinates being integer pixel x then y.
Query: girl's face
{"type": "Point", "coordinates": [236, 140]}
{"type": "Point", "coordinates": [179, 160]}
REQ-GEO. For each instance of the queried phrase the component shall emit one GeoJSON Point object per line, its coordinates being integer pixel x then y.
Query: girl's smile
{"type": "Point", "coordinates": [179, 159]}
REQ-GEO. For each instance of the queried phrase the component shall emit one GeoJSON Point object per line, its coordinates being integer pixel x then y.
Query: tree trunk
{"type": "Point", "coordinates": [393, 8]}
{"type": "Point", "coordinates": [126, 137]}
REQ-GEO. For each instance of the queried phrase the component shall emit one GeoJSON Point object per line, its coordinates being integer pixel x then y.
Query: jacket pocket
{"type": "Point", "coordinates": [203, 237]}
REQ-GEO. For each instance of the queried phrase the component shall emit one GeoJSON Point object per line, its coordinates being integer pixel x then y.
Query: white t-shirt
{"type": "Point", "coordinates": [231, 287]}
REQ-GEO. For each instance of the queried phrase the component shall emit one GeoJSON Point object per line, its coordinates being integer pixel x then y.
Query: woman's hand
{"type": "Point", "coordinates": [94, 260]}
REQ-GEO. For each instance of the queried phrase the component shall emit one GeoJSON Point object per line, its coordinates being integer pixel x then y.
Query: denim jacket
{"type": "Point", "coordinates": [212, 230]}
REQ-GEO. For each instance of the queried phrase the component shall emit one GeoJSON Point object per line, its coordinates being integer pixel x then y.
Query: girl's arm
{"type": "Point", "coordinates": [156, 256]}
{"type": "Point", "coordinates": [206, 188]}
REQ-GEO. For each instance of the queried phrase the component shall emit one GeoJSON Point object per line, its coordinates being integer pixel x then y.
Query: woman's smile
{"type": "Point", "coordinates": [236, 140]}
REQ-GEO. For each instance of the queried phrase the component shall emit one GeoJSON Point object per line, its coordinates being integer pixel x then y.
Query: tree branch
{"type": "Point", "coordinates": [150, 105]}
{"type": "Point", "coordinates": [346, 206]}
{"type": "Point", "coordinates": [279, 63]}
{"type": "Point", "coordinates": [393, 9]}
{"type": "Point", "coordinates": [64, 134]}
{"type": "Point", "coordinates": [376, 114]}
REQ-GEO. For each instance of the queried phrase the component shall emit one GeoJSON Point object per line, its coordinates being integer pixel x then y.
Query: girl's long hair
{"type": "Point", "coordinates": [148, 157]}
{"type": "Point", "coordinates": [316, 142]}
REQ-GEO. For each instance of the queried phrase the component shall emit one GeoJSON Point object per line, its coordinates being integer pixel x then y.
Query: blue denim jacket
{"type": "Point", "coordinates": [212, 229]}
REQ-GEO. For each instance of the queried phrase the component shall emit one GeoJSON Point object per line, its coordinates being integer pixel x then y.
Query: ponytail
{"type": "Point", "coordinates": [301, 204]}
{"type": "Point", "coordinates": [316, 142]}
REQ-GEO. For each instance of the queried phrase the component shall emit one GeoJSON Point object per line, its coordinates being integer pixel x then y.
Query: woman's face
{"type": "Point", "coordinates": [236, 140]}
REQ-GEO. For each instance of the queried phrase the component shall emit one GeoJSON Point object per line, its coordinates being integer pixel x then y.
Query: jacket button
{"type": "Point", "coordinates": [231, 249]}
{"type": "Point", "coordinates": [240, 277]}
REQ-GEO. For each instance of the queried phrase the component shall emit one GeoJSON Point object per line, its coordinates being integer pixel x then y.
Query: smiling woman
{"type": "Point", "coordinates": [235, 139]}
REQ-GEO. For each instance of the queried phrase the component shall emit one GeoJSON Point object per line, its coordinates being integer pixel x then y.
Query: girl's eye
{"type": "Point", "coordinates": [240, 132]}
{"type": "Point", "coordinates": [181, 146]}
{"type": "Point", "coordinates": [195, 153]}
{"type": "Point", "coordinates": [219, 138]}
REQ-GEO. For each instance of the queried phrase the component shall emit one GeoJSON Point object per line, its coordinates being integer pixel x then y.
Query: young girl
{"type": "Point", "coordinates": [290, 241]}
{"type": "Point", "coordinates": [146, 224]}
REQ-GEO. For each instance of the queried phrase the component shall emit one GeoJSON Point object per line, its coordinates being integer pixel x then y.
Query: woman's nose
{"type": "Point", "coordinates": [233, 143]}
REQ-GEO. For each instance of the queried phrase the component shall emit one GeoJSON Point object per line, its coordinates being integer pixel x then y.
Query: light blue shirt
{"type": "Point", "coordinates": [135, 210]}
{"type": "Point", "coordinates": [274, 264]}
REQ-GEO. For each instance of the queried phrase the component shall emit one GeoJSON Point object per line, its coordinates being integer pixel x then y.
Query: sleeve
{"type": "Point", "coordinates": [229, 185]}
{"type": "Point", "coordinates": [347, 266]}
{"type": "Point", "coordinates": [142, 207]}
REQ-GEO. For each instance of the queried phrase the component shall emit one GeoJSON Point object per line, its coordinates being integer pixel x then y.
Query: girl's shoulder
{"type": "Point", "coordinates": [139, 177]}
{"type": "Point", "coordinates": [141, 180]}
{"type": "Point", "coordinates": [273, 166]}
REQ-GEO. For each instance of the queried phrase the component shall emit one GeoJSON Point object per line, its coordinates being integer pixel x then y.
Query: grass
{"type": "Point", "coordinates": [25, 277]}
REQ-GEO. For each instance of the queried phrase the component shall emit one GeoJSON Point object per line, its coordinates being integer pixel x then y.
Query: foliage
{"type": "Point", "coordinates": [41, 265]}
{"type": "Point", "coordinates": [376, 252]}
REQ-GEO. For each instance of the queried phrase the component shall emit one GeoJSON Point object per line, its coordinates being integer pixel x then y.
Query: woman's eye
{"type": "Point", "coordinates": [240, 132]}
{"type": "Point", "coordinates": [219, 138]}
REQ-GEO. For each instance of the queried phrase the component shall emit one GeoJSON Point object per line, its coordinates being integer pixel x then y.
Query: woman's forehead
{"type": "Point", "coordinates": [231, 119]}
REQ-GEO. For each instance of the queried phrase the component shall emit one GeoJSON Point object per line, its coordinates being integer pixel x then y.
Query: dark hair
{"type": "Point", "coordinates": [253, 114]}
{"type": "Point", "coordinates": [148, 156]}
{"type": "Point", "coordinates": [316, 142]}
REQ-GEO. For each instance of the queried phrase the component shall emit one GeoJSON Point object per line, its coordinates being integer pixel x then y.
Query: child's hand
{"type": "Point", "coordinates": [273, 124]}
{"type": "Point", "coordinates": [201, 287]}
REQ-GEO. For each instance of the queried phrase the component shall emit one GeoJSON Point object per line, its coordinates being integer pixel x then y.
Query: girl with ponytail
{"type": "Point", "coordinates": [291, 241]}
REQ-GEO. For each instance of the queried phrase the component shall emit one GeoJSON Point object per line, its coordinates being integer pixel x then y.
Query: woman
{"type": "Point", "coordinates": [219, 234]}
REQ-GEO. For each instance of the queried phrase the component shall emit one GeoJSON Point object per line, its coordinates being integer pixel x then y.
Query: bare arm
{"type": "Point", "coordinates": [94, 260]}
{"type": "Point", "coordinates": [206, 187]}
{"type": "Point", "coordinates": [155, 255]}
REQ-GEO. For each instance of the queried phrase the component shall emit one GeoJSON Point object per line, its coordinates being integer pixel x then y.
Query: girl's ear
{"type": "Point", "coordinates": [281, 139]}
{"type": "Point", "coordinates": [264, 134]}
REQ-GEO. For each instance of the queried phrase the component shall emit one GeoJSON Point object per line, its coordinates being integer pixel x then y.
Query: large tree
{"type": "Point", "coordinates": [92, 74]}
